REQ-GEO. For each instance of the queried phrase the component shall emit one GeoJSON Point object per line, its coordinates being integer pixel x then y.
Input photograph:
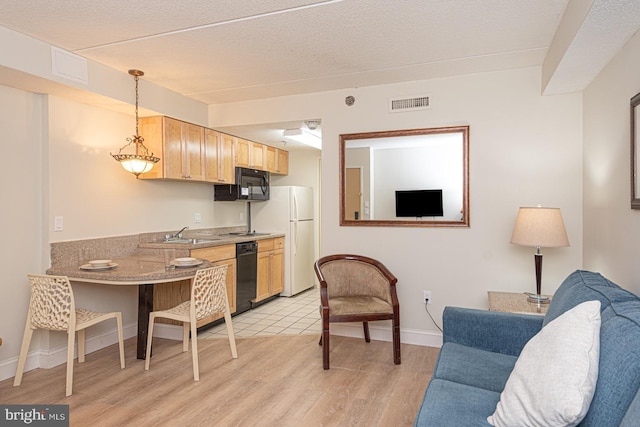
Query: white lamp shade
{"type": "Point", "coordinates": [137, 166]}
{"type": "Point", "coordinates": [540, 227]}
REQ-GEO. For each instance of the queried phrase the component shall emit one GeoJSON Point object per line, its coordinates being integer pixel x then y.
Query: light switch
{"type": "Point", "coordinates": [58, 223]}
{"type": "Point", "coordinates": [197, 218]}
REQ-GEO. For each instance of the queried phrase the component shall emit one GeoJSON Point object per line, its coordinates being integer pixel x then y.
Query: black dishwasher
{"type": "Point", "coordinates": [247, 265]}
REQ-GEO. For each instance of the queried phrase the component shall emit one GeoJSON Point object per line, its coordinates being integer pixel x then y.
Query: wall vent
{"type": "Point", "coordinates": [397, 105]}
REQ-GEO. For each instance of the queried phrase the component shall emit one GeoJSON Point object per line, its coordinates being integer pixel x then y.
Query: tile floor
{"type": "Point", "coordinates": [282, 316]}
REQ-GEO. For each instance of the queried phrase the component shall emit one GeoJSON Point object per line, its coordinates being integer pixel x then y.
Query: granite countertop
{"type": "Point", "coordinates": [139, 268]}
{"type": "Point", "coordinates": [140, 258]}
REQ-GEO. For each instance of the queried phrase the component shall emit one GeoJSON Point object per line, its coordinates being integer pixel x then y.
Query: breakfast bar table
{"type": "Point", "coordinates": [140, 270]}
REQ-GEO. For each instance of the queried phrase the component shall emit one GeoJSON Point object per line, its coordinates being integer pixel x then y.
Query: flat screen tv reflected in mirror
{"type": "Point", "coordinates": [419, 203]}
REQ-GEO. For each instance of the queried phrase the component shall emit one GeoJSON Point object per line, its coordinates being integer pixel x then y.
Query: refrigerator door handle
{"type": "Point", "coordinates": [295, 207]}
{"type": "Point", "coordinates": [295, 238]}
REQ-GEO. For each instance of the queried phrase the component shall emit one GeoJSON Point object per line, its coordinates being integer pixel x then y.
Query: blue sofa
{"type": "Point", "coordinates": [481, 347]}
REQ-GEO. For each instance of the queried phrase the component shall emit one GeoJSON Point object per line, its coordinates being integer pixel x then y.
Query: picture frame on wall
{"type": "Point", "coordinates": [635, 154]}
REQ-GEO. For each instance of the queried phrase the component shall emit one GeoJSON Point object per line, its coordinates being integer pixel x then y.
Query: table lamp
{"type": "Point", "coordinates": [540, 228]}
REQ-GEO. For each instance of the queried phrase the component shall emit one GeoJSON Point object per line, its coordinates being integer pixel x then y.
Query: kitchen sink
{"type": "Point", "coordinates": [190, 241]}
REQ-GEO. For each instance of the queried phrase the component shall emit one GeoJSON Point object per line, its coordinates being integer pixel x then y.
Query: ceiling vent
{"type": "Point", "coordinates": [397, 105]}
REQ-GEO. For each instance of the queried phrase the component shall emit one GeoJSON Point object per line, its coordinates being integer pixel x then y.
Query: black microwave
{"type": "Point", "coordinates": [251, 184]}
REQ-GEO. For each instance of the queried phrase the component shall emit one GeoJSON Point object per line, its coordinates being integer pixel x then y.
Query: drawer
{"type": "Point", "coordinates": [278, 243]}
{"type": "Point", "coordinates": [215, 253]}
{"type": "Point", "coordinates": [265, 245]}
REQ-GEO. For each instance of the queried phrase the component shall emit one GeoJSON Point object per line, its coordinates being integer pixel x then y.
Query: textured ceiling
{"type": "Point", "coordinates": [229, 50]}
{"type": "Point", "coordinates": [233, 50]}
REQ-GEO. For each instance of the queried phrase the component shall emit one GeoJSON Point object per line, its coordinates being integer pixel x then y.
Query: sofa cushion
{"type": "Point", "coordinates": [474, 367]}
{"type": "Point", "coordinates": [619, 377]}
{"type": "Point", "coordinates": [581, 286]}
{"type": "Point", "coordinates": [460, 404]}
{"type": "Point", "coordinates": [554, 379]}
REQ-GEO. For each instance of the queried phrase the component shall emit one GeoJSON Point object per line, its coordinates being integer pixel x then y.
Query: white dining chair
{"type": "Point", "coordinates": [208, 297]}
{"type": "Point", "coordinates": [52, 307]}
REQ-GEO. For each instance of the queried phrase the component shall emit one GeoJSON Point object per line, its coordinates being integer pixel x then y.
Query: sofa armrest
{"type": "Point", "coordinates": [494, 331]}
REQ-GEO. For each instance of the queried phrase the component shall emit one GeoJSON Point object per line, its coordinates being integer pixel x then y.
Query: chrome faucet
{"type": "Point", "coordinates": [178, 235]}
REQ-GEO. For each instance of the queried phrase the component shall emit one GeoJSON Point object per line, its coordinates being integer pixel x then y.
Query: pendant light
{"type": "Point", "coordinates": [140, 161]}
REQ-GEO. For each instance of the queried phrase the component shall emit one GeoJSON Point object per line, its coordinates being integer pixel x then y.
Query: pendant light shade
{"type": "Point", "coordinates": [140, 161]}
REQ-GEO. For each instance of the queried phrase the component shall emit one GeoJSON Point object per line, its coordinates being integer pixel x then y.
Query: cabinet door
{"type": "Point", "coordinates": [264, 276]}
{"type": "Point", "coordinates": [272, 159]}
{"type": "Point", "coordinates": [282, 165]}
{"type": "Point", "coordinates": [193, 152]}
{"type": "Point", "coordinates": [212, 155]}
{"type": "Point", "coordinates": [231, 290]}
{"type": "Point", "coordinates": [152, 130]}
{"type": "Point", "coordinates": [277, 271]}
{"type": "Point", "coordinates": [225, 154]}
{"type": "Point", "coordinates": [243, 153]}
{"type": "Point", "coordinates": [257, 158]}
{"type": "Point", "coordinates": [173, 137]}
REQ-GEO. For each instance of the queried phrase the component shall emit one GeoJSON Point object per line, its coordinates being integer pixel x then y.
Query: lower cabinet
{"type": "Point", "coordinates": [167, 295]}
{"type": "Point", "coordinates": [270, 280]}
{"type": "Point", "coordinates": [221, 255]}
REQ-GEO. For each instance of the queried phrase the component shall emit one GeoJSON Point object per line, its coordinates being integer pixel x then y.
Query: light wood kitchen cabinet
{"type": "Point", "coordinates": [167, 295]}
{"type": "Point", "coordinates": [282, 164]}
{"type": "Point", "coordinates": [249, 154]}
{"type": "Point", "coordinates": [277, 160]}
{"type": "Point", "coordinates": [218, 151]}
{"type": "Point", "coordinates": [270, 280]}
{"type": "Point", "coordinates": [180, 146]}
{"type": "Point", "coordinates": [221, 255]}
{"type": "Point", "coordinates": [257, 160]}
{"type": "Point", "coordinates": [271, 157]}
{"type": "Point", "coordinates": [242, 153]}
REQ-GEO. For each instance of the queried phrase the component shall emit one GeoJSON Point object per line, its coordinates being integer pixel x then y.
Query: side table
{"type": "Point", "coordinates": [512, 302]}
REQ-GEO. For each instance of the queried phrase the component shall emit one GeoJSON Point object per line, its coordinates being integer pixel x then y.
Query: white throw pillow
{"type": "Point", "coordinates": [554, 378]}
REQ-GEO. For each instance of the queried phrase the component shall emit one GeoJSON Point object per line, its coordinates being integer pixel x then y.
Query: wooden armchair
{"type": "Point", "coordinates": [355, 288]}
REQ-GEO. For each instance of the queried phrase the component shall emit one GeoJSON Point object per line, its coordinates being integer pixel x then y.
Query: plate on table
{"type": "Point", "coordinates": [98, 267]}
{"type": "Point", "coordinates": [181, 264]}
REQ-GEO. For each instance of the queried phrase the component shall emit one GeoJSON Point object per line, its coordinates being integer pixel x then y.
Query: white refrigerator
{"type": "Point", "coordinates": [289, 210]}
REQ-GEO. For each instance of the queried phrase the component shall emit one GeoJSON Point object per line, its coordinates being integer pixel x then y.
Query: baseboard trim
{"type": "Point", "coordinates": [407, 336]}
{"type": "Point", "coordinates": [49, 358]}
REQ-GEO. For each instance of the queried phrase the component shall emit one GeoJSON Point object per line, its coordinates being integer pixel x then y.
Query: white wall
{"type": "Point", "coordinates": [524, 149]}
{"type": "Point", "coordinates": [611, 227]}
{"type": "Point", "coordinates": [21, 198]}
{"type": "Point", "coordinates": [57, 163]}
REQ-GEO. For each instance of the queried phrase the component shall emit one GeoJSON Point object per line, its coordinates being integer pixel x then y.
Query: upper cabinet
{"type": "Point", "coordinates": [196, 153]}
{"type": "Point", "coordinates": [277, 161]}
{"type": "Point", "coordinates": [258, 156]}
{"type": "Point", "coordinates": [242, 153]}
{"type": "Point", "coordinates": [180, 146]}
{"type": "Point", "coordinates": [282, 162]}
{"type": "Point", "coordinates": [218, 150]}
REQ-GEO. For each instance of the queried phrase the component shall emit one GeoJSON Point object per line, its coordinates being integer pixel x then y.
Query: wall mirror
{"type": "Point", "coordinates": [635, 158]}
{"type": "Point", "coordinates": [405, 178]}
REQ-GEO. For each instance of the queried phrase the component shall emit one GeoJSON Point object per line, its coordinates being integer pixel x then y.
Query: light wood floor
{"type": "Point", "coordinates": [276, 381]}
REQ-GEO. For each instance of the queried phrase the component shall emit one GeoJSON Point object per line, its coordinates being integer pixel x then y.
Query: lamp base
{"type": "Point", "coordinates": [538, 299]}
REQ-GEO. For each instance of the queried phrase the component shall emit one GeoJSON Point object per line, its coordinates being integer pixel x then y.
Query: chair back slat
{"type": "Point", "coordinates": [209, 291]}
{"type": "Point", "coordinates": [52, 305]}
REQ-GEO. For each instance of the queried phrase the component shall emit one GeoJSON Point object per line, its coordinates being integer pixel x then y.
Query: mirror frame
{"type": "Point", "coordinates": [464, 223]}
{"type": "Point", "coordinates": [635, 129]}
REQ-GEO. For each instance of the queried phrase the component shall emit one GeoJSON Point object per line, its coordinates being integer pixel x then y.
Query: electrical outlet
{"type": "Point", "coordinates": [197, 218]}
{"type": "Point", "coordinates": [426, 297]}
